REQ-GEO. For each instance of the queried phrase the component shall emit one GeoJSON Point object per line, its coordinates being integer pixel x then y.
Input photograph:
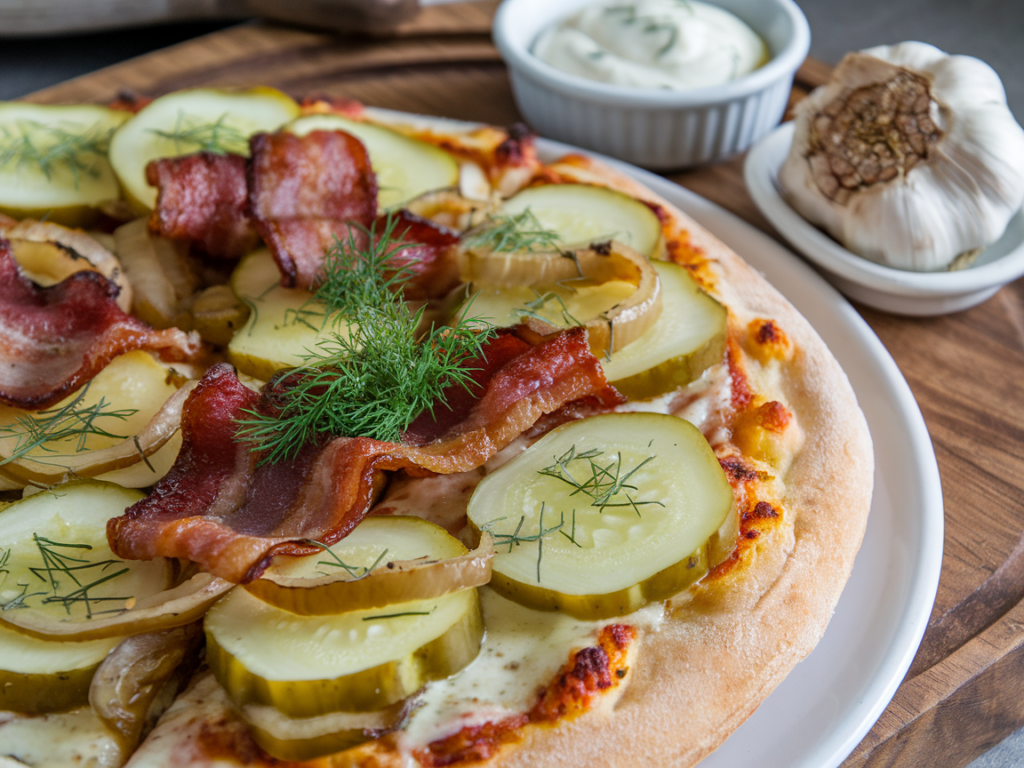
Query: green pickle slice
{"type": "Point", "coordinates": [605, 515]}
{"type": "Point", "coordinates": [688, 337]}
{"type": "Point", "coordinates": [359, 661]}
{"type": "Point", "coordinates": [405, 167]}
{"type": "Point", "coordinates": [582, 214]}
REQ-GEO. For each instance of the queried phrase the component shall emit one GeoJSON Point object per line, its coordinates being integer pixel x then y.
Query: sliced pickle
{"type": "Point", "coordinates": [582, 214]}
{"type": "Point", "coordinates": [125, 396]}
{"type": "Point", "coordinates": [53, 161]}
{"type": "Point", "coordinates": [405, 167]}
{"type": "Point", "coordinates": [604, 515]}
{"type": "Point", "coordinates": [186, 122]}
{"type": "Point", "coordinates": [289, 738]}
{"type": "Point", "coordinates": [385, 560]}
{"type": "Point", "coordinates": [358, 661]}
{"type": "Point", "coordinates": [283, 327]}
{"type": "Point", "coordinates": [688, 337]}
{"type": "Point", "coordinates": [39, 676]}
{"type": "Point", "coordinates": [58, 568]}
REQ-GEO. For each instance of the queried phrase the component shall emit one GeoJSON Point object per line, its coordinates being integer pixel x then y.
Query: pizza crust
{"type": "Point", "coordinates": [693, 684]}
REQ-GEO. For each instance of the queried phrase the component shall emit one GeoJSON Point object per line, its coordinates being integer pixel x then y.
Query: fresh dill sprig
{"type": "Point", "coordinates": [355, 571]}
{"type": "Point", "coordinates": [73, 420]}
{"type": "Point", "coordinates": [372, 378]}
{"type": "Point", "coordinates": [48, 147]}
{"type": "Point", "coordinates": [517, 538]}
{"type": "Point", "coordinates": [18, 601]}
{"type": "Point", "coordinates": [59, 563]}
{"type": "Point", "coordinates": [516, 233]}
{"type": "Point", "coordinates": [606, 485]}
{"type": "Point", "coordinates": [193, 134]}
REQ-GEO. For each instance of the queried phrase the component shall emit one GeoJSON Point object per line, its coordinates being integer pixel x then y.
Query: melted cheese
{"type": "Point", "coordinates": [59, 740]}
{"type": "Point", "coordinates": [522, 652]}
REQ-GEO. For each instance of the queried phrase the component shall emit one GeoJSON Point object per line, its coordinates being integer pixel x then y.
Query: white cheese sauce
{"type": "Point", "coordinates": [521, 653]}
{"type": "Point", "coordinates": [58, 740]}
{"type": "Point", "coordinates": [705, 403]}
{"type": "Point", "coordinates": [659, 44]}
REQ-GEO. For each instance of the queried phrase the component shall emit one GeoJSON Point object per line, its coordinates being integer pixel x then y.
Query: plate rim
{"type": "Point", "coordinates": [761, 171]}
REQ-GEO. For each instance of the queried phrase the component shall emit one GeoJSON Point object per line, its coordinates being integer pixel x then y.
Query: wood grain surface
{"type": "Point", "coordinates": [963, 693]}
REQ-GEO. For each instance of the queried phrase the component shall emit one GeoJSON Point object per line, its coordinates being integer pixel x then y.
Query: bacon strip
{"type": "Point", "coordinates": [201, 198]}
{"type": "Point", "coordinates": [307, 192]}
{"type": "Point", "coordinates": [427, 250]}
{"type": "Point", "coordinates": [218, 509]}
{"type": "Point", "coordinates": [53, 340]}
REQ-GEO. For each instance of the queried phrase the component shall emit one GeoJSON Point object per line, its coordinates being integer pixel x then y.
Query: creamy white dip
{"type": "Point", "coordinates": [658, 44]}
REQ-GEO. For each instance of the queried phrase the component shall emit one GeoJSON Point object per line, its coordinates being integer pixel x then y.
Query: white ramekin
{"type": "Point", "coordinates": [655, 129]}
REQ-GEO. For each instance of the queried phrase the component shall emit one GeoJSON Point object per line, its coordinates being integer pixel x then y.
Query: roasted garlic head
{"type": "Point", "coordinates": [908, 157]}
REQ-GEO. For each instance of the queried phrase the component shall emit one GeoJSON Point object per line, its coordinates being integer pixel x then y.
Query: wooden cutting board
{"type": "Point", "coordinates": [963, 692]}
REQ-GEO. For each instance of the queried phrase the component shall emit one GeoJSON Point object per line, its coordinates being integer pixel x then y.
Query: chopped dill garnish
{"type": "Point", "coordinates": [73, 420]}
{"type": "Point", "coordinates": [606, 485]}
{"type": "Point", "coordinates": [372, 378]}
{"type": "Point", "coordinates": [193, 134]}
{"type": "Point", "coordinates": [517, 233]}
{"type": "Point", "coordinates": [396, 615]}
{"type": "Point", "coordinates": [60, 563]}
{"type": "Point", "coordinates": [533, 308]}
{"type": "Point", "coordinates": [48, 147]}
{"type": "Point", "coordinates": [355, 571]}
{"type": "Point", "coordinates": [517, 538]}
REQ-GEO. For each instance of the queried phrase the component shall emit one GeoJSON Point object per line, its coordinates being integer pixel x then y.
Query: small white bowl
{"type": "Point", "coordinates": [899, 291]}
{"type": "Point", "coordinates": [653, 128]}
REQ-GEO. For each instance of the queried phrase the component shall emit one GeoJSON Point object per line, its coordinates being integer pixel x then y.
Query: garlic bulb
{"type": "Point", "coordinates": [908, 157]}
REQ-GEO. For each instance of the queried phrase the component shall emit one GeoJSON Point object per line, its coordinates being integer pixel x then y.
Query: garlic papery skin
{"type": "Point", "coordinates": [908, 157]}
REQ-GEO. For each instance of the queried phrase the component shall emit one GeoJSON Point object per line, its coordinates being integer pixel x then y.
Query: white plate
{"type": "Point", "coordinates": [892, 290]}
{"type": "Point", "coordinates": [816, 717]}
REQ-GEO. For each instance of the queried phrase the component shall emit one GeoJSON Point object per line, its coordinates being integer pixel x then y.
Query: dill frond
{"type": "Point", "coordinates": [378, 375]}
{"type": "Point", "coordinates": [193, 134]}
{"type": "Point", "coordinates": [517, 233]}
{"type": "Point", "coordinates": [48, 147]}
{"type": "Point", "coordinates": [73, 420]}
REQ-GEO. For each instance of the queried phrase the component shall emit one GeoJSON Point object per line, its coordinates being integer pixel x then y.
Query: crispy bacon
{"type": "Point", "coordinates": [201, 198]}
{"type": "Point", "coordinates": [53, 340]}
{"type": "Point", "coordinates": [306, 192]}
{"type": "Point", "coordinates": [428, 254]}
{"type": "Point", "coordinates": [218, 509]}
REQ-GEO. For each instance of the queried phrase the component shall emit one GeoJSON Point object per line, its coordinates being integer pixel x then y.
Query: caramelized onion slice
{"type": "Point", "coordinates": [408, 559]}
{"type": "Point", "coordinates": [174, 607]}
{"type": "Point", "coordinates": [55, 468]}
{"type": "Point", "coordinates": [48, 253]}
{"type": "Point", "coordinates": [140, 678]}
{"type": "Point", "coordinates": [601, 263]}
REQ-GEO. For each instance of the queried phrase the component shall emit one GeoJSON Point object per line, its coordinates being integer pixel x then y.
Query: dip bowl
{"type": "Point", "coordinates": [657, 129]}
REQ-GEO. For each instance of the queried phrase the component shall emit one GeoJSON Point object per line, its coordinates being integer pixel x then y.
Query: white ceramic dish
{"type": "Point", "coordinates": [892, 290]}
{"type": "Point", "coordinates": [655, 129]}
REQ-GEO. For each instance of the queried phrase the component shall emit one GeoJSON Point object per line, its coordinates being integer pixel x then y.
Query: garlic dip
{"type": "Point", "coordinates": [655, 44]}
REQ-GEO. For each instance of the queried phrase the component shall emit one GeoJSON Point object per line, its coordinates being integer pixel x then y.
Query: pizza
{"type": "Point", "coordinates": [604, 501]}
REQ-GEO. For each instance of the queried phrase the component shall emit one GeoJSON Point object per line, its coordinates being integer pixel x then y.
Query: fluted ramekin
{"type": "Point", "coordinates": [653, 128]}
